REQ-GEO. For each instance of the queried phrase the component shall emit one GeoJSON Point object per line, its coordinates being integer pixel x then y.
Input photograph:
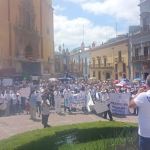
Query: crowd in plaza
{"type": "Point", "coordinates": [37, 99]}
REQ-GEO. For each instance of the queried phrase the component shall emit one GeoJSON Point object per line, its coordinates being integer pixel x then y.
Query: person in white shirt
{"type": "Point", "coordinates": [33, 100]}
{"type": "Point", "coordinates": [142, 101]}
{"type": "Point", "coordinates": [58, 100]}
{"type": "Point", "coordinates": [38, 102]}
{"type": "Point", "coordinates": [18, 104]}
{"type": "Point", "coordinates": [3, 103]}
{"type": "Point", "coordinates": [45, 111]}
{"type": "Point", "coordinates": [8, 99]}
{"type": "Point", "coordinates": [14, 102]}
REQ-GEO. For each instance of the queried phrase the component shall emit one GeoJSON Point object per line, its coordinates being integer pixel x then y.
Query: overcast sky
{"type": "Point", "coordinates": [98, 18]}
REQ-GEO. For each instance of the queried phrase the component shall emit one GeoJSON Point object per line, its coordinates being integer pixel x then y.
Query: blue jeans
{"type": "Point", "coordinates": [144, 143]}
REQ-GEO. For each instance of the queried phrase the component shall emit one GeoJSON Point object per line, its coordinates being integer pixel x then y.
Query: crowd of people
{"type": "Point", "coordinates": [35, 96]}
{"type": "Point", "coordinates": [38, 99]}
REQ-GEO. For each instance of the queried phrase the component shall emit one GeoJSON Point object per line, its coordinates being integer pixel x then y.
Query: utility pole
{"type": "Point", "coordinates": [116, 29]}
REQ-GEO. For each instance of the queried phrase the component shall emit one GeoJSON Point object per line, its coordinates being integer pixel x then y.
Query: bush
{"type": "Point", "coordinates": [87, 136]}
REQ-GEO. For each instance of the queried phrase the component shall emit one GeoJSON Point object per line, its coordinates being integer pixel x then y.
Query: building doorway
{"type": "Point", "coordinates": [107, 76]}
{"type": "Point", "coordinates": [31, 68]}
{"type": "Point", "coordinates": [99, 75]}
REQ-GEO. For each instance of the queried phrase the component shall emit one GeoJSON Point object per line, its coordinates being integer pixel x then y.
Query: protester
{"type": "Point", "coordinates": [38, 103]}
{"type": "Point", "coordinates": [27, 106]}
{"type": "Point", "coordinates": [106, 98]}
{"type": "Point", "coordinates": [33, 101]}
{"type": "Point", "coordinates": [45, 107]}
{"type": "Point", "coordinates": [58, 98]}
{"type": "Point", "coordinates": [3, 104]}
{"type": "Point", "coordinates": [18, 104]}
{"type": "Point", "coordinates": [142, 101]}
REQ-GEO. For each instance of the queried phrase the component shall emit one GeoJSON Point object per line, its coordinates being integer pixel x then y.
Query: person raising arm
{"type": "Point", "coordinates": [142, 101]}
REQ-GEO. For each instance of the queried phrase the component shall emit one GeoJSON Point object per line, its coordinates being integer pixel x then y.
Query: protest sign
{"type": "Point", "coordinates": [101, 107]}
{"type": "Point", "coordinates": [7, 82]}
{"type": "Point", "coordinates": [25, 92]}
{"type": "Point", "coordinates": [3, 104]}
{"type": "Point", "coordinates": [119, 103]}
{"type": "Point", "coordinates": [77, 101]}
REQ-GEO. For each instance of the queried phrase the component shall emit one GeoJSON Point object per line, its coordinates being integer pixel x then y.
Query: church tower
{"type": "Point", "coordinates": [26, 37]}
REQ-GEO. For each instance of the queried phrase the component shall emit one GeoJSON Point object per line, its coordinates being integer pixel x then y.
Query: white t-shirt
{"type": "Point", "coordinates": [46, 108]}
{"type": "Point", "coordinates": [143, 103]}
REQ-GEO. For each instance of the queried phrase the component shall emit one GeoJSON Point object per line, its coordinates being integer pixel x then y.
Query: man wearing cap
{"type": "Point", "coordinates": [142, 101]}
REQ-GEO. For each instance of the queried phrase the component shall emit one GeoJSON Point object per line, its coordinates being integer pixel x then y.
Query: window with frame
{"type": "Point", "coordinates": [105, 61]}
{"type": "Point", "coordinates": [99, 61]}
{"type": "Point", "coordinates": [146, 51]}
{"type": "Point", "coordinates": [136, 52]}
{"type": "Point", "coordinates": [93, 73]}
{"type": "Point", "coordinates": [99, 75]}
{"type": "Point", "coordinates": [93, 62]}
{"type": "Point", "coordinates": [119, 56]}
{"type": "Point", "coordinates": [124, 67]}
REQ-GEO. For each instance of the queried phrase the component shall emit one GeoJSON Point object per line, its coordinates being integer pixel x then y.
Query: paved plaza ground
{"type": "Point", "coordinates": [13, 125]}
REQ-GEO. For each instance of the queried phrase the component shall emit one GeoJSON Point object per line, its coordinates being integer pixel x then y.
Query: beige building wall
{"type": "Point", "coordinates": [48, 35]}
{"type": "Point", "coordinates": [4, 34]}
{"type": "Point", "coordinates": [14, 37]}
{"type": "Point", "coordinates": [105, 63]}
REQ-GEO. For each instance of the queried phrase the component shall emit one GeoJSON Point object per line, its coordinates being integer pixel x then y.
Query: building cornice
{"type": "Point", "coordinates": [107, 45]}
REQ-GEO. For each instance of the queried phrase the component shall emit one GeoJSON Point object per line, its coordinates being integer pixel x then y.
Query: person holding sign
{"type": "Point", "coordinates": [106, 98]}
{"type": "Point", "coordinates": [45, 107]}
{"type": "Point", "coordinates": [142, 101]}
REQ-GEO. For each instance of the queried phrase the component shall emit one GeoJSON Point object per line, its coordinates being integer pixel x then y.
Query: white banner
{"type": "Point", "coordinates": [77, 100]}
{"type": "Point", "coordinates": [7, 82]}
{"type": "Point", "coordinates": [101, 107]}
{"type": "Point", "coordinates": [3, 104]}
{"type": "Point", "coordinates": [25, 92]}
{"type": "Point", "coordinates": [119, 103]}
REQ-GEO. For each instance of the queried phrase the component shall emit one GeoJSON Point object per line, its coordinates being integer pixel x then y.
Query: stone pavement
{"type": "Point", "coordinates": [13, 125]}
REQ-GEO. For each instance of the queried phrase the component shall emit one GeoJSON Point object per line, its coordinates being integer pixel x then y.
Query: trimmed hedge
{"type": "Point", "coordinates": [87, 136]}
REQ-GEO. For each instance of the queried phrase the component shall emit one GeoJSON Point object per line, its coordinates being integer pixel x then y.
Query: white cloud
{"type": "Point", "coordinates": [120, 9]}
{"type": "Point", "coordinates": [70, 32]}
{"type": "Point", "coordinates": [58, 9]}
{"type": "Point", "coordinates": [80, 1]}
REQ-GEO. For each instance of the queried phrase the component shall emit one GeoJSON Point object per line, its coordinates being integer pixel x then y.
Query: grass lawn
{"type": "Point", "coordinates": [87, 136]}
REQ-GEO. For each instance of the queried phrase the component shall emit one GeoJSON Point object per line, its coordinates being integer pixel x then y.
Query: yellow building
{"type": "Point", "coordinates": [110, 60]}
{"type": "Point", "coordinates": [26, 37]}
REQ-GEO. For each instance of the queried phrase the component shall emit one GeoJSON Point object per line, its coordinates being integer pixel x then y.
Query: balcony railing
{"type": "Point", "coordinates": [119, 59]}
{"type": "Point", "coordinates": [141, 58]}
{"type": "Point", "coordinates": [102, 66]}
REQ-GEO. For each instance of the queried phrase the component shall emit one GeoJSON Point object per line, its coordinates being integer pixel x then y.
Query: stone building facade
{"type": "Point", "coordinates": [110, 60]}
{"type": "Point", "coordinates": [26, 37]}
{"type": "Point", "coordinates": [140, 44]}
{"type": "Point", "coordinates": [80, 61]}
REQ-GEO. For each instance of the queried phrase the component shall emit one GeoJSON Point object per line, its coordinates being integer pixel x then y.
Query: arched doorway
{"type": "Point", "coordinates": [28, 51]}
{"type": "Point", "coordinates": [107, 76]}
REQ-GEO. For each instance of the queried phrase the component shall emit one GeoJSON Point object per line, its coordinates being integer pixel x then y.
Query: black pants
{"type": "Point", "coordinates": [52, 101]}
{"type": "Point", "coordinates": [45, 120]}
{"type": "Point", "coordinates": [144, 143]}
{"type": "Point", "coordinates": [23, 99]}
{"type": "Point", "coordinates": [65, 109]}
{"type": "Point", "coordinates": [109, 114]}
{"type": "Point", "coordinates": [38, 105]}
